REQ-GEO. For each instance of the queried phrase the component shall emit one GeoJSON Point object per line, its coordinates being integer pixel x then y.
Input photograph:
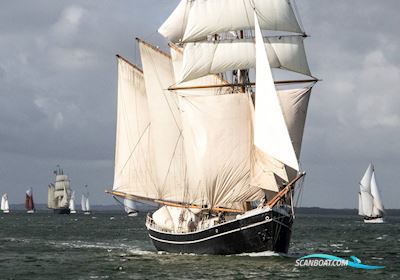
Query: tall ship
{"type": "Point", "coordinates": [29, 205]}
{"type": "Point", "coordinates": [59, 193]}
{"type": "Point", "coordinates": [208, 134]}
{"type": "Point", "coordinates": [4, 206]}
{"type": "Point", "coordinates": [72, 203]}
{"type": "Point", "coordinates": [85, 205]}
{"type": "Point", "coordinates": [370, 205]}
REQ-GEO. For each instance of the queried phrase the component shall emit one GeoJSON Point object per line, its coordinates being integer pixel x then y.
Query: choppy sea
{"type": "Point", "coordinates": [110, 245]}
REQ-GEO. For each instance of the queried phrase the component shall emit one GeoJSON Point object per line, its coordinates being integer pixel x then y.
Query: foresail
{"type": "Point", "coordinates": [360, 205]}
{"type": "Point", "coordinates": [209, 57]}
{"type": "Point", "coordinates": [133, 170]}
{"type": "Point", "coordinates": [268, 116]}
{"type": "Point", "coordinates": [195, 20]}
{"type": "Point", "coordinates": [166, 137]}
{"type": "Point", "coordinates": [367, 203]}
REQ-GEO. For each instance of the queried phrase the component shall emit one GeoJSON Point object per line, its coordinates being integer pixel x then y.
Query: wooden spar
{"type": "Point", "coordinates": [152, 47]}
{"type": "Point", "coordinates": [173, 204]}
{"type": "Point", "coordinates": [243, 85]}
{"type": "Point", "coordinates": [130, 63]}
{"type": "Point", "coordinates": [284, 191]}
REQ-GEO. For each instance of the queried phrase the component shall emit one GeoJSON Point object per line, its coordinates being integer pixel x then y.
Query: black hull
{"type": "Point", "coordinates": [62, 211]}
{"type": "Point", "coordinates": [266, 231]}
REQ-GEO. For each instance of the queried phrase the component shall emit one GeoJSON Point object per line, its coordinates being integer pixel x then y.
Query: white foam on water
{"type": "Point", "coordinates": [336, 245]}
{"type": "Point", "coordinates": [261, 254]}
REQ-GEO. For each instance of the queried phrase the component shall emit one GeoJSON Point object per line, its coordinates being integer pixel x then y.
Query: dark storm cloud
{"type": "Point", "coordinates": [58, 92]}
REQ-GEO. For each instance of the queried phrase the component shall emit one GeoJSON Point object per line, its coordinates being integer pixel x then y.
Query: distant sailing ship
{"type": "Point", "coordinates": [59, 193]}
{"type": "Point", "coordinates": [85, 205]}
{"type": "Point", "coordinates": [130, 207]}
{"type": "Point", "coordinates": [72, 203]}
{"type": "Point", "coordinates": [29, 205]}
{"type": "Point", "coordinates": [369, 199]}
{"type": "Point", "coordinates": [5, 207]}
{"type": "Point", "coordinates": [219, 152]}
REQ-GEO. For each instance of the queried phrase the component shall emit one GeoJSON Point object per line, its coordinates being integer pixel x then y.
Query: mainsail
{"type": "Point", "coordinates": [5, 207]}
{"type": "Point", "coordinates": [29, 205]}
{"type": "Point", "coordinates": [85, 205]}
{"type": "Point", "coordinates": [370, 203]}
{"type": "Point", "coordinates": [72, 202]}
{"type": "Point", "coordinates": [212, 146]}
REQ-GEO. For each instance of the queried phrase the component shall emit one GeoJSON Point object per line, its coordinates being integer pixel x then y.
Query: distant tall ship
{"type": "Point", "coordinates": [29, 205]}
{"type": "Point", "coordinates": [85, 205]}
{"type": "Point", "coordinates": [207, 132]}
{"type": "Point", "coordinates": [5, 207]}
{"type": "Point", "coordinates": [369, 199]}
{"type": "Point", "coordinates": [130, 207]}
{"type": "Point", "coordinates": [59, 193]}
{"type": "Point", "coordinates": [72, 203]}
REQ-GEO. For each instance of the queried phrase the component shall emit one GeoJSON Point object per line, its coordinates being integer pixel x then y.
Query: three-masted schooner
{"type": "Point", "coordinates": [217, 151]}
{"type": "Point", "coordinates": [29, 205]}
{"type": "Point", "coordinates": [369, 199]}
{"type": "Point", "coordinates": [59, 193]}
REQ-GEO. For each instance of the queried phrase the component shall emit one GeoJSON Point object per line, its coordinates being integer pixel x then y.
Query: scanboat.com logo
{"type": "Point", "coordinates": [329, 260]}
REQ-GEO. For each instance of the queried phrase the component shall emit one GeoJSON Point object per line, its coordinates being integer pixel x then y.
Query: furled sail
{"type": "Point", "coordinates": [133, 170]}
{"type": "Point", "coordinates": [166, 136]}
{"type": "Point", "coordinates": [268, 117]}
{"type": "Point", "coordinates": [195, 20]}
{"type": "Point", "coordinates": [212, 57]}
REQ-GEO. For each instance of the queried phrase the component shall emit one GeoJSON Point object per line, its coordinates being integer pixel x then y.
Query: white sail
{"type": "Point", "coordinates": [268, 118]}
{"type": "Point", "coordinates": [133, 170]}
{"type": "Point", "coordinates": [83, 203]}
{"type": "Point", "coordinates": [365, 183]}
{"type": "Point", "coordinates": [5, 207]}
{"type": "Point", "coordinates": [360, 205]}
{"type": "Point", "coordinates": [177, 63]}
{"type": "Point", "coordinates": [87, 204]}
{"type": "Point", "coordinates": [50, 198]}
{"type": "Point", "coordinates": [294, 104]}
{"type": "Point", "coordinates": [217, 138]}
{"type": "Point", "coordinates": [370, 198]}
{"type": "Point", "coordinates": [195, 20]}
{"type": "Point", "coordinates": [166, 137]}
{"type": "Point", "coordinates": [129, 206]}
{"type": "Point", "coordinates": [203, 58]}
{"type": "Point", "coordinates": [376, 195]}
{"type": "Point", "coordinates": [72, 202]}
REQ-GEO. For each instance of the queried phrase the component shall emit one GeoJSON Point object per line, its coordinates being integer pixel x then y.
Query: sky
{"type": "Point", "coordinates": [58, 88]}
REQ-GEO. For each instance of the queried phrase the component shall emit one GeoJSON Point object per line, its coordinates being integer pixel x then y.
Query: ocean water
{"type": "Point", "coordinates": [114, 246]}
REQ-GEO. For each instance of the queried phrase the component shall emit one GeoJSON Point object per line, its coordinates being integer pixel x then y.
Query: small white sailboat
{"type": "Point", "coordinates": [5, 207]}
{"type": "Point", "coordinates": [369, 199]}
{"type": "Point", "coordinates": [29, 205]}
{"type": "Point", "coordinates": [85, 202]}
{"type": "Point", "coordinates": [72, 203]}
{"type": "Point", "coordinates": [130, 207]}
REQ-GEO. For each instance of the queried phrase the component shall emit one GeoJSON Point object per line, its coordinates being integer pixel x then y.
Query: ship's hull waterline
{"type": "Point", "coordinates": [266, 231]}
{"type": "Point", "coordinates": [62, 211]}
{"type": "Point", "coordinates": [376, 220]}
